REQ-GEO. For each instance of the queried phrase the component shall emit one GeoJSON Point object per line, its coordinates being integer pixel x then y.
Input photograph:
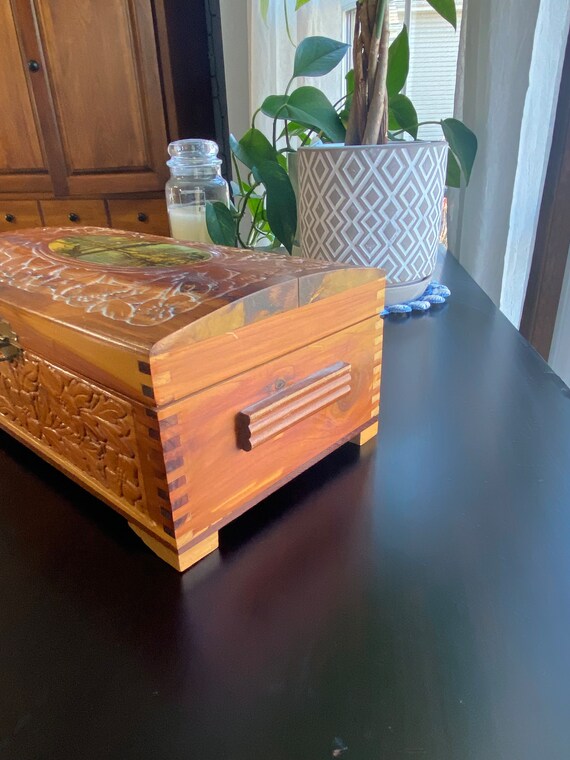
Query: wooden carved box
{"type": "Point", "coordinates": [182, 383]}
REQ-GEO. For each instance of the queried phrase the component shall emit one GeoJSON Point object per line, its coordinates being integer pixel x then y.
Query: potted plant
{"type": "Point", "coordinates": [369, 191]}
{"type": "Point", "coordinates": [262, 189]}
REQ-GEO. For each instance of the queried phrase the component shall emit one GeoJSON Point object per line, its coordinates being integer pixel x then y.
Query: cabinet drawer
{"type": "Point", "coordinates": [80, 212]}
{"type": "Point", "coordinates": [148, 216]}
{"type": "Point", "coordinates": [18, 215]}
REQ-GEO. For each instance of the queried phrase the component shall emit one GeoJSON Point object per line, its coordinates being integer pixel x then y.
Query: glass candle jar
{"type": "Point", "coordinates": [195, 177]}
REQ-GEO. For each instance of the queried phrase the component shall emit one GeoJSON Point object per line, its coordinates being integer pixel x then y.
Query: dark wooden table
{"type": "Point", "coordinates": [408, 600]}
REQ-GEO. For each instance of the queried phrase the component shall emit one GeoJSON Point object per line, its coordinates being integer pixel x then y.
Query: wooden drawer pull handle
{"type": "Point", "coordinates": [268, 418]}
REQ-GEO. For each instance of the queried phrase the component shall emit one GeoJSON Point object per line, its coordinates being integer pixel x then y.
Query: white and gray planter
{"type": "Point", "coordinates": [375, 205]}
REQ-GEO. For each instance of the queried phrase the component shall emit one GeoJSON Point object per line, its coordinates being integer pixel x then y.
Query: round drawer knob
{"type": "Point", "coordinates": [73, 217]}
{"type": "Point", "coordinates": [33, 66]}
{"type": "Point", "coordinates": [142, 217]}
{"type": "Point", "coordinates": [10, 218]}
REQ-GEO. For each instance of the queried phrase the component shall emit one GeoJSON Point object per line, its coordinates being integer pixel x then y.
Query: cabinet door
{"type": "Point", "coordinates": [23, 167]}
{"type": "Point", "coordinates": [102, 67]}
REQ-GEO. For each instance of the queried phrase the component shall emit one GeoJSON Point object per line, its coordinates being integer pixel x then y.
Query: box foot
{"type": "Point", "coordinates": [366, 435]}
{"type": "Point", "coordinates": [183, 561]}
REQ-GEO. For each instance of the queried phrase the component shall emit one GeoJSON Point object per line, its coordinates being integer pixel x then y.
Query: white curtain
{"type": "Point", "coordinates": [509, 70]}
{"type": "Point", "coordinates": [271, 54]}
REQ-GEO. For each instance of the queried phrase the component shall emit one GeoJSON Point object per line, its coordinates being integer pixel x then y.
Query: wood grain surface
{"type": "Point", "coordinates": [137, 289]}
{"type": "Point", "coordinates": [182, 384]}
{"type": "Point", "coordinates": [146, 215]}
{"type": "Point", "coordinates": [22, 159]}
{"type": "Point", "coordinates": [272, 416]}
{"type": "Point", "coordinates": [199, 432]}
{"type": "Point", "coordinates": [19, 215]}
{"type": "Point", "coordinates": [105, 93]}
{"type": "Point", "coordinates": [80, 427]}
{"type": "Point", "coordinates": [79, 212]}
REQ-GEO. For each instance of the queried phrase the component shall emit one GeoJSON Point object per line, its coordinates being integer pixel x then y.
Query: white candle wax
{"type": "Point", "coordinates": [188, 222]}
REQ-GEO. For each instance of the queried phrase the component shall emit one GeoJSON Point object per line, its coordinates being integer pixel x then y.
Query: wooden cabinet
{"type": "Point", "coordinates": [106, 93]}
{"type": "Point", "coordinates": [90, 95]}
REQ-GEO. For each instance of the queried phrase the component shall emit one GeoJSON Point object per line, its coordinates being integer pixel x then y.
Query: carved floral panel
{"type": "Point", "coordinates": [90, 428]}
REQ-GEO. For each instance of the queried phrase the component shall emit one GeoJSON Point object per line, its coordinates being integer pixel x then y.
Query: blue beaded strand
{"type": "Point", "coordinates": [434, 295]}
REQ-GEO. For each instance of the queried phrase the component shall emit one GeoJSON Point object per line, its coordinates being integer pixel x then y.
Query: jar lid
{"type": "Point", "coordinates": [193, 152]}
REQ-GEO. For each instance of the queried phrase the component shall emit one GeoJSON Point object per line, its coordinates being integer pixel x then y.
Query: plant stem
{"type": "Point", "coordinates": [287, 23]}
{"type": "Point", "coordinates": [251, 237]}
{"type": "Point", "coordinates": [372, 45]}
{"type": "Point", "coordinates": [375, 133]}
{"type": "Point", "coordinates": [241, 212]}
{"type": "Point", "coordinates": [239, 241]}
{"type": "Point", "coordinates": [287, 141]}
{"type": "Point", "coordinates": [253, 118]}
{"type": "Point", "coordinates": [339, 101]}
{"type": "Point", "coordinates": [246, 197]}
{"type": "Point", "coordinates": [357, 117]}
{"type": "Point", "coordinates": [236, 167]}
{"type": "Point", "coordinates": [275, 127]}
{"type": "Point", "coordinates": [380, 16]}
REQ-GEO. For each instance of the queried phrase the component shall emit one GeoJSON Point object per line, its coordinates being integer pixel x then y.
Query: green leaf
{"type": "Point", "coordinates": [462, 142]}
{"type": "Point", "coordinates": [311, 108]}
{"type": "Point", "coordinates": [446, 9]}
{"type": "Point", "coordinates": [403, 115]}
{"type": "Point", "coordinates": [294, 130]}
{"type": "Point", "coordinates": [316, 56]}
{"type": "Point", "coordinates": [264, 8]}
{"type": "Point", "coordinates": [221, 223]}
{"type": "Point", "coordinates": [272, 104]}
{"type": "Point", "coordinates": [398, 63]}
{"type": "Point", "coordinates": [349, 79]}
{"type": "Point", "coordinates": [255, 205]}
{"type": "Point", "coordinates": [300, 4]}
{"type": "Point", "coordinates": [453, 171]}
{"type": "Point", "coordinates": [344, 112]}
{"type": "Point", "coordinates": [281, 205]}
{"type": "Point", "coordinates": [253, 148]}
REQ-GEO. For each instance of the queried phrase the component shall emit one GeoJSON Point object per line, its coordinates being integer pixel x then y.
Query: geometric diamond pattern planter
{"type": "Point", "coordinates": [374, 205]}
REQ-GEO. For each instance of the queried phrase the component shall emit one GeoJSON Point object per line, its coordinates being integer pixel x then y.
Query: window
{"type": "Point", "coordinates": [433, 65]}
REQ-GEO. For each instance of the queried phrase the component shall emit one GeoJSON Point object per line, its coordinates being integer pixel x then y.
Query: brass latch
{"type": "Point", "coordinates": [10, 349]}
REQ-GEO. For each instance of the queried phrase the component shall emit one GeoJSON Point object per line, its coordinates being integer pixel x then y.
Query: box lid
{"type": "Point", "coordinates": [83, 289]}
